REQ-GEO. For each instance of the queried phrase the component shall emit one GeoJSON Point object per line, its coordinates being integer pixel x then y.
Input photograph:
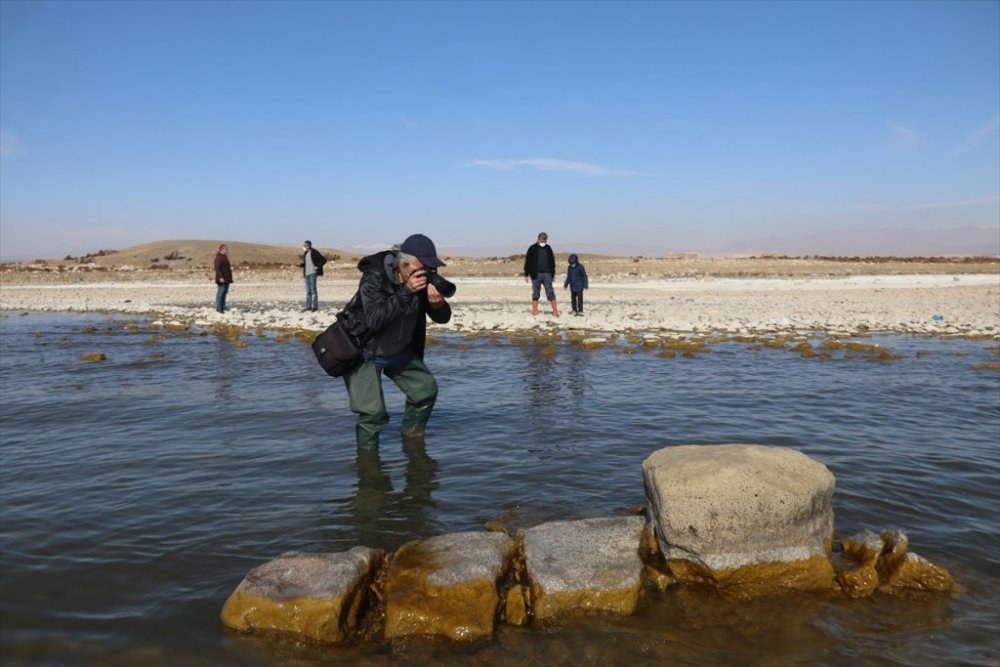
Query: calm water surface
{"type": "Point", "coordinates": [136, 493]}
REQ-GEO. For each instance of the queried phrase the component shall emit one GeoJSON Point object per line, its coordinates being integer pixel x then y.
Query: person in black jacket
{"type": "Point", "coordinates": [312, 266]}
{"type": "Point", "coordinates": [223, 277]}
{"type": "Point", "coordinates": [540, 267]}
{"type": "Point", "coordinates": [395, 302]}
{"type": "Point", "coordinates": [576, 281]}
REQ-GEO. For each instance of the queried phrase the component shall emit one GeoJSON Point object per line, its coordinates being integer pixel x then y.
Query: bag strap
{"type": "Point", "coordinates": [346, 316]}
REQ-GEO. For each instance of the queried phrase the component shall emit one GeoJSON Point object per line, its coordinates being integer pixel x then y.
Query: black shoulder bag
{"type": "Point", "coordinates": [338, 350]}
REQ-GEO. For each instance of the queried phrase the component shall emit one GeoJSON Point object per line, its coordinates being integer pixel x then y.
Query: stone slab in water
{"type": "Point", "coordinates": [585, 565]}
{"type": "Point", "coordinates": [319, 596]}
{"type": "Point", "coordinates": [742, 514]}
{"type": "Point", "coordinates": [447, 585]}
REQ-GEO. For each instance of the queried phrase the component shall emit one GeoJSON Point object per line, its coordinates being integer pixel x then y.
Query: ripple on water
{"type": "Point", "coordinates": [137, 492]}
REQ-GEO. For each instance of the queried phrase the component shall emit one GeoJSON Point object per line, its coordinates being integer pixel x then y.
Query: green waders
{"type": "Point", "coordinates": [364, 387]}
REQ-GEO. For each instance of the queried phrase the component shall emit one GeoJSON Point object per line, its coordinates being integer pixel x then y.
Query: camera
{"type": "Point", "coordinates": [441, 284]}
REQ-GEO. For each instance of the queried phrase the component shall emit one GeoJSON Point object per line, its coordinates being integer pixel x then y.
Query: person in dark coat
{"type": "Point", "coordinates": [395, 301]}
{"type": "Point", "coordinates": [223, 277]}
{"type": "Point", "coordinates": [576, 281]}
{"type": "Point", "coordinates": [312, 266]}
{"type": "Point", "coordinates": [540, 267]}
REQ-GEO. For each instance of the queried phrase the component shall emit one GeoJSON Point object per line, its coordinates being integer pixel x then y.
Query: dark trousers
{"type": "Point", "coordinates": [220, 296]}
{"type": "Point", "coordinates": [364, 388]}
{"type": "Point", "coordinates": [576, 299]}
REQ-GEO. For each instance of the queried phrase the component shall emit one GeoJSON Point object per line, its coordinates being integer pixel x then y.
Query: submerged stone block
{"type": "Point", "coordinates": [743, 515]}
{"type": "Point", "coordinates": [447, 585]}
{"type": "Point", "coordinates": [318, 596]}
{"type": "Point", "coordinates": [586, 565]}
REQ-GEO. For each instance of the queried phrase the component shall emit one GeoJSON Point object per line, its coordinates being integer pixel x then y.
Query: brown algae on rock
{"type": "Point", "coordinates": [884, 562]}
{"type": "Point", "coordinates": [447, 585]}
{"type": "Point", "coordinates": [986, 367]}
{"type": "Point", "coordinates": [317, 596]}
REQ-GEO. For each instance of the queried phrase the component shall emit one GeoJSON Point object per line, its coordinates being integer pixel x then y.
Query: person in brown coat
{"type": "Point", "coordinates": [223, 277]}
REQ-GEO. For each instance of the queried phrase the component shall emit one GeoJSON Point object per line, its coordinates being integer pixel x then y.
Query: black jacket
{"type": "Point", "coordinates": [537, 259]}
{"type": "Point", "coordinates": [223, 270]}
{"type": "Point", "coordinates": [386, 305]}
{"type": "Point", "coordinates": [318, 261]}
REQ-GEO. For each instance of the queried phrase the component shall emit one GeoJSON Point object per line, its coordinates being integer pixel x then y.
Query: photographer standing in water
{"type": "Point", "coordinates": [399, 289]}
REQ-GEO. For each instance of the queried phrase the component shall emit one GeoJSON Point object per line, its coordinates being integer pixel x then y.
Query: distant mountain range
{"type": "Point", "coordinates": [966, 240]}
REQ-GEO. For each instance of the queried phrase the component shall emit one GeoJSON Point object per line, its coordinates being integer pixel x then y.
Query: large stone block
{"type": "Point", "coordinates": [742, 514]}
{"type": "Point", "coordinates": [316, 595]}
{"type": "Point", "coordinates": [585, 565]}
{"type": "Point", "coordinates": [447, 585]}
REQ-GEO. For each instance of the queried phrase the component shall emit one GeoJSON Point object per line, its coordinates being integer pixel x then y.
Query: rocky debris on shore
{"type": "Point", "coordinates": [458, 586]}
{"type": "Point", "coordinates": [883, 562]}
{"type": "Point", "coordinates": [933, 305]}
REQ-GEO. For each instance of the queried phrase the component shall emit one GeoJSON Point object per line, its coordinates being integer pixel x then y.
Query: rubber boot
{"type": "Point", "coordinates": [412, 430]}
{"type": "Point", "coordinates": [367, 439]}
{"type": "Point", "coordinates": [534, 308]}
{"type": "Point", "coordinates": [555, 310]}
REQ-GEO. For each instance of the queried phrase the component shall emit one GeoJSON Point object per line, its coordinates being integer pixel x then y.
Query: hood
{"type": "Point", "coordinates": [383, 263]}
{"type": "Point", "coordinates": [373, 263]}
{"type": "Point", "coordinates": [572, 259]}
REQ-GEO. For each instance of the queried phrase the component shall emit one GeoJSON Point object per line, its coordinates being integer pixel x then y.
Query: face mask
{"type": "Point", "coordinates": [305, 249]}
{"type": "Point", "coordinates": [541, 244]}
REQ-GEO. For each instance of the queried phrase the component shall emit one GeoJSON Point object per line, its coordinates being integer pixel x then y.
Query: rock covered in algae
{"type": "Point", "coordinates": [863, 549]}
{"type": "Point", "coordinates": [585, 565]}
{"type": "Point", "coordinates": [884, 562]}
{"type": "Point", "coordinates": [318, 596]}
{"type": "Point", "coordinates": [447, 585]}
{"type": "Point", "coordinates": [742, 515]}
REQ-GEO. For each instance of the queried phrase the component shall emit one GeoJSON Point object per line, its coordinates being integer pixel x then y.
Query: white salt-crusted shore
{"type": "Point", "coordinates": [965, 305]}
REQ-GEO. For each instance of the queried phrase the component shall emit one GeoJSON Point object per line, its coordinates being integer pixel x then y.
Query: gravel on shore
{"type": "Point", "coordinates": [965, 305]}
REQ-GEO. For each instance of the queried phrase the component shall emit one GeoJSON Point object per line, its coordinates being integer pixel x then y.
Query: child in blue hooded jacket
{"type": "Point", "coordinates": [576, 281]}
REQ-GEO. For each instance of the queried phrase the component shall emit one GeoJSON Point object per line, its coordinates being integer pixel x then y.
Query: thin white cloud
{"type": "Point", "coordinates": [905, 137]}
{"type": "Point", "coordinates": [364, 248]}
{"type": "Point", "coordinates": [977, 136]}
{"type": "Point", "coordinates": [550, 164]}
{"type": "Point", "coordinates": [903, 132]}
{"type": "Point", "coordinates": [924, 206]}
{"type": "Point", "coordinates": [10, 144]}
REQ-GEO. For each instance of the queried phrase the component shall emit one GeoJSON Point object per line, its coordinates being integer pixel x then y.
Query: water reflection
{"type": "Point", "coordinates": [554, 375]}
{"type": "Point", "coordinates": [223, 370]}
{"type": "Point", "coordinates": [380, 512]}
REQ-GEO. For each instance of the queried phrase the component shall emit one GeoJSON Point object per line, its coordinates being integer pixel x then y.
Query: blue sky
{"type": "Point", "coordinates": [644, 127]}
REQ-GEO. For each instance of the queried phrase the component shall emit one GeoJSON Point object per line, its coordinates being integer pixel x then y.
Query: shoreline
{"type": "Point", "coordinates": [944, 304]}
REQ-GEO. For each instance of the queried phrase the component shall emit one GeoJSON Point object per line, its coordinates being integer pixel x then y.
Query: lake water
{"type": "Point", "coordinates": [135, 493]}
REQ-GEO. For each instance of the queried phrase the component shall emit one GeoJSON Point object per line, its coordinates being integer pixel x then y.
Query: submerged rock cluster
{"type": "Point", "coordinates": [748, 520]}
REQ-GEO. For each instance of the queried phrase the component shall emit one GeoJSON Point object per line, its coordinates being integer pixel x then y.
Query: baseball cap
{"type": "Point", "coordinates": [423, 249]}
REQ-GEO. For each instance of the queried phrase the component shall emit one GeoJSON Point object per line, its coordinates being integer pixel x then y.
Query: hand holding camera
{"type": "Point", "coordinates": [419, 280]}
{"type": "Point", "coordinates": [441, 284]}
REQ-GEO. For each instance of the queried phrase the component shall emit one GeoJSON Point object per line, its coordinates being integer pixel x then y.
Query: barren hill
{"type": "Point", "coordinates": [175, 259]}
{"type": "Point", "coordinates": [200, 253]}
